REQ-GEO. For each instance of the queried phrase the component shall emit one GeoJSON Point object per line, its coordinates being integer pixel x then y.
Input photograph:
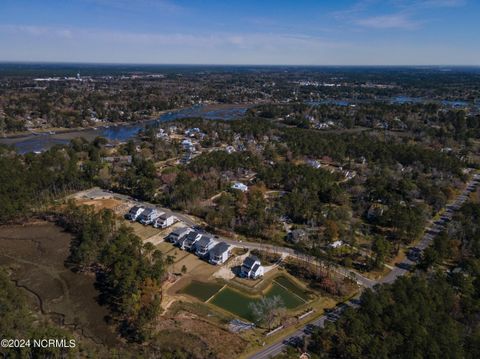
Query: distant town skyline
{"type": "Point", "coordinates": [267, 32]}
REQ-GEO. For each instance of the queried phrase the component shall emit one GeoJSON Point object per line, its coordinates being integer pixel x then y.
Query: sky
{"type": "Point", "coordinates": [271, 32]}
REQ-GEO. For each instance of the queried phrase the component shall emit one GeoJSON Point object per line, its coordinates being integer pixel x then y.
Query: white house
{"type": "Point", "coordinates": [314, 164]}
{"type": "Point", "coordinates": [240, 186]}
{"type": "Point", "coordinates": [203, 245]}
{"type": "Point", "coordinates": [220, 253]}
{"type": "Point", "coordinates": [149, 216]}
{"type": "Point", "coordinates": [230, 149]}
{"type": "Point", "coordinates": [178, 233]}
{"type": "Point", "coordinates": [252, 268]}
{"type": "Point", "coordinates": [188, 145]}
{"type": "Point", "coordinates": [189, 240]}
{"type": "Point", "coordinates": [191, 132]}
{"type": "Point", "coordinates": [336, 244]}
{"type": "Point", "coordinates": [164, 221]}
{"type": "Point", "coordinates": [134, 212]}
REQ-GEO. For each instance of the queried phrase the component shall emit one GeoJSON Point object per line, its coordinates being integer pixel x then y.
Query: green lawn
{"type": "Point", "coordinates": [239, 303]}
{"type": "Point", "coordinates": [201, 290]}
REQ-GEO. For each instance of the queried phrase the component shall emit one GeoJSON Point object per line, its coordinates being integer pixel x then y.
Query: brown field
{"type": "Point", "coordinates": [34, 256]}
{"type": "Point", "coordinates": [197, 269]}
{"type": "Point", "coordinates": [186, 327]}
{"type": "Point", "coordinates": [107, 203]}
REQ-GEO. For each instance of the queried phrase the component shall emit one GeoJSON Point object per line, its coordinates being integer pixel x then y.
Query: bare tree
{"type": "Point", "coordinates": [268, 310]}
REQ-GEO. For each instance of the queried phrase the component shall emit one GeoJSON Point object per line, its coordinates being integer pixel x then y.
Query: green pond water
{"type": "Point", "coordinates": [287, 283]}
{"type": "Point", "coordinates": [201, 290]}
{"type": "Point", "coordinates": [239, 303]}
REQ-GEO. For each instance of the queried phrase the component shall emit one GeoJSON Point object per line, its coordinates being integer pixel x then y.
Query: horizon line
{"type": "Point", "coordinates": [33, 62]}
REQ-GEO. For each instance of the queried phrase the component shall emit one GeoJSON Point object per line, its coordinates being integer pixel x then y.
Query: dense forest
{"type": "Point", "coordinates": [434, 314]}
{"type": "Point", "coordinates": [413, 318]}
{"type": "Point", "coordinates": [30, 182]}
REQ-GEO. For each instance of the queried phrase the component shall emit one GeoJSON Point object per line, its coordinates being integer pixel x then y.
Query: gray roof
{"type": "Point", "coordinates": [219, 249]}
{"type": "Point", "coordinates": [204, 241]}
{"type": "Point", "coordinates": [249, 261]}
{"type": "Point", "coordinates": [147, 212]}
{"type": "Point", "coordinates": [191, 237]}
{"type": "Point", "coordinates": [182, 240]}
{"type": "Point", "coordinates": [134, 209]}
{"type": "Point", "coordinates": [180, 231]}
{"type": "Point", "coordinates": [255, 268]}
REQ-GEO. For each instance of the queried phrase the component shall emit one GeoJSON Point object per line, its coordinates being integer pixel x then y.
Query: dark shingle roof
{"type": "Point", "coordinates": [135, 209]}
{"type": "Point", "coordinates": [191, 236]}
{"type": "Point", "coordinates": [249, 261]}
{"type": "Point", "coordinates": [219, 248]}
{"type": "Point", "coordinates": [165, 216]}
{"type": "Point", "coordinates": [179, 231]}
{"type": "Point", "coordinates": [204, 241]}
{"type": "Point", "coordinates": [147, 212]}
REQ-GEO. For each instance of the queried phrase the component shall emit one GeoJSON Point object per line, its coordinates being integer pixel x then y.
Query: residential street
{"type": "Point", "coordinates": [96, 193]}
{"type": "Point", "coordinates": [277, 347]}
{"type": "Point", "coordinates": [399, 270]}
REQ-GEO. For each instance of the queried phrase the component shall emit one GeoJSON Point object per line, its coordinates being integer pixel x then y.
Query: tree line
{"type": "Point", "coordinates": [128, 272]}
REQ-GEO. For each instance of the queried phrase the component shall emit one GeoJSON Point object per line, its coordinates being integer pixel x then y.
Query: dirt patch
{"type": "Point", "coordinates": [34, 255]}
{"type": "Point", "coordinates": [107, 203]}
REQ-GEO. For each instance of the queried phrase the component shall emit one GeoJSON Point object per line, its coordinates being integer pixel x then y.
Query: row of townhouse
{"type": "Point", "coordinates": [150, 216]}
{"type": "Point", "coordinates": [204, 246]}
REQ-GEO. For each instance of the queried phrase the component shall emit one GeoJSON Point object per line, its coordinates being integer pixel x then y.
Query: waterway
{"type": "Point", "coordinates": [122, 132]}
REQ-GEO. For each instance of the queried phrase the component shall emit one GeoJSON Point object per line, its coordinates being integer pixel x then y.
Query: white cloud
{"type": "Point", "coordinates": [39, 31]}
{"type": "Point", "coordinates": [392, 21]}
{"type": "Point", "coordinates": [174, 39]}
{"type": "Point", "coordinates": [403, 17]}
{"type": "Point", "coordinates": [97, 45]}
{"type": "Point", "coordinates": [426, 4]}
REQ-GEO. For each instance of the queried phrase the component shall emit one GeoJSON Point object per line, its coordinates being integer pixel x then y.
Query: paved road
{"type": "Point", "coordinates": [361, 280]}
{"type": "Point", "coordinates": [101, 193]}
{"type": "Point", "coordinates": [433, 229]}
{"type": "Point", "coordinates": [400, 270]}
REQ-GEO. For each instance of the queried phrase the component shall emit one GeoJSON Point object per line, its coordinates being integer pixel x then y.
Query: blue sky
{"type": "Point", "coordinates": [307, 32]}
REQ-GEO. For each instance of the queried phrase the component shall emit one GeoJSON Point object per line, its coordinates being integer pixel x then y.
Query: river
{"type": "Point", "coordinates": [122, 132]}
